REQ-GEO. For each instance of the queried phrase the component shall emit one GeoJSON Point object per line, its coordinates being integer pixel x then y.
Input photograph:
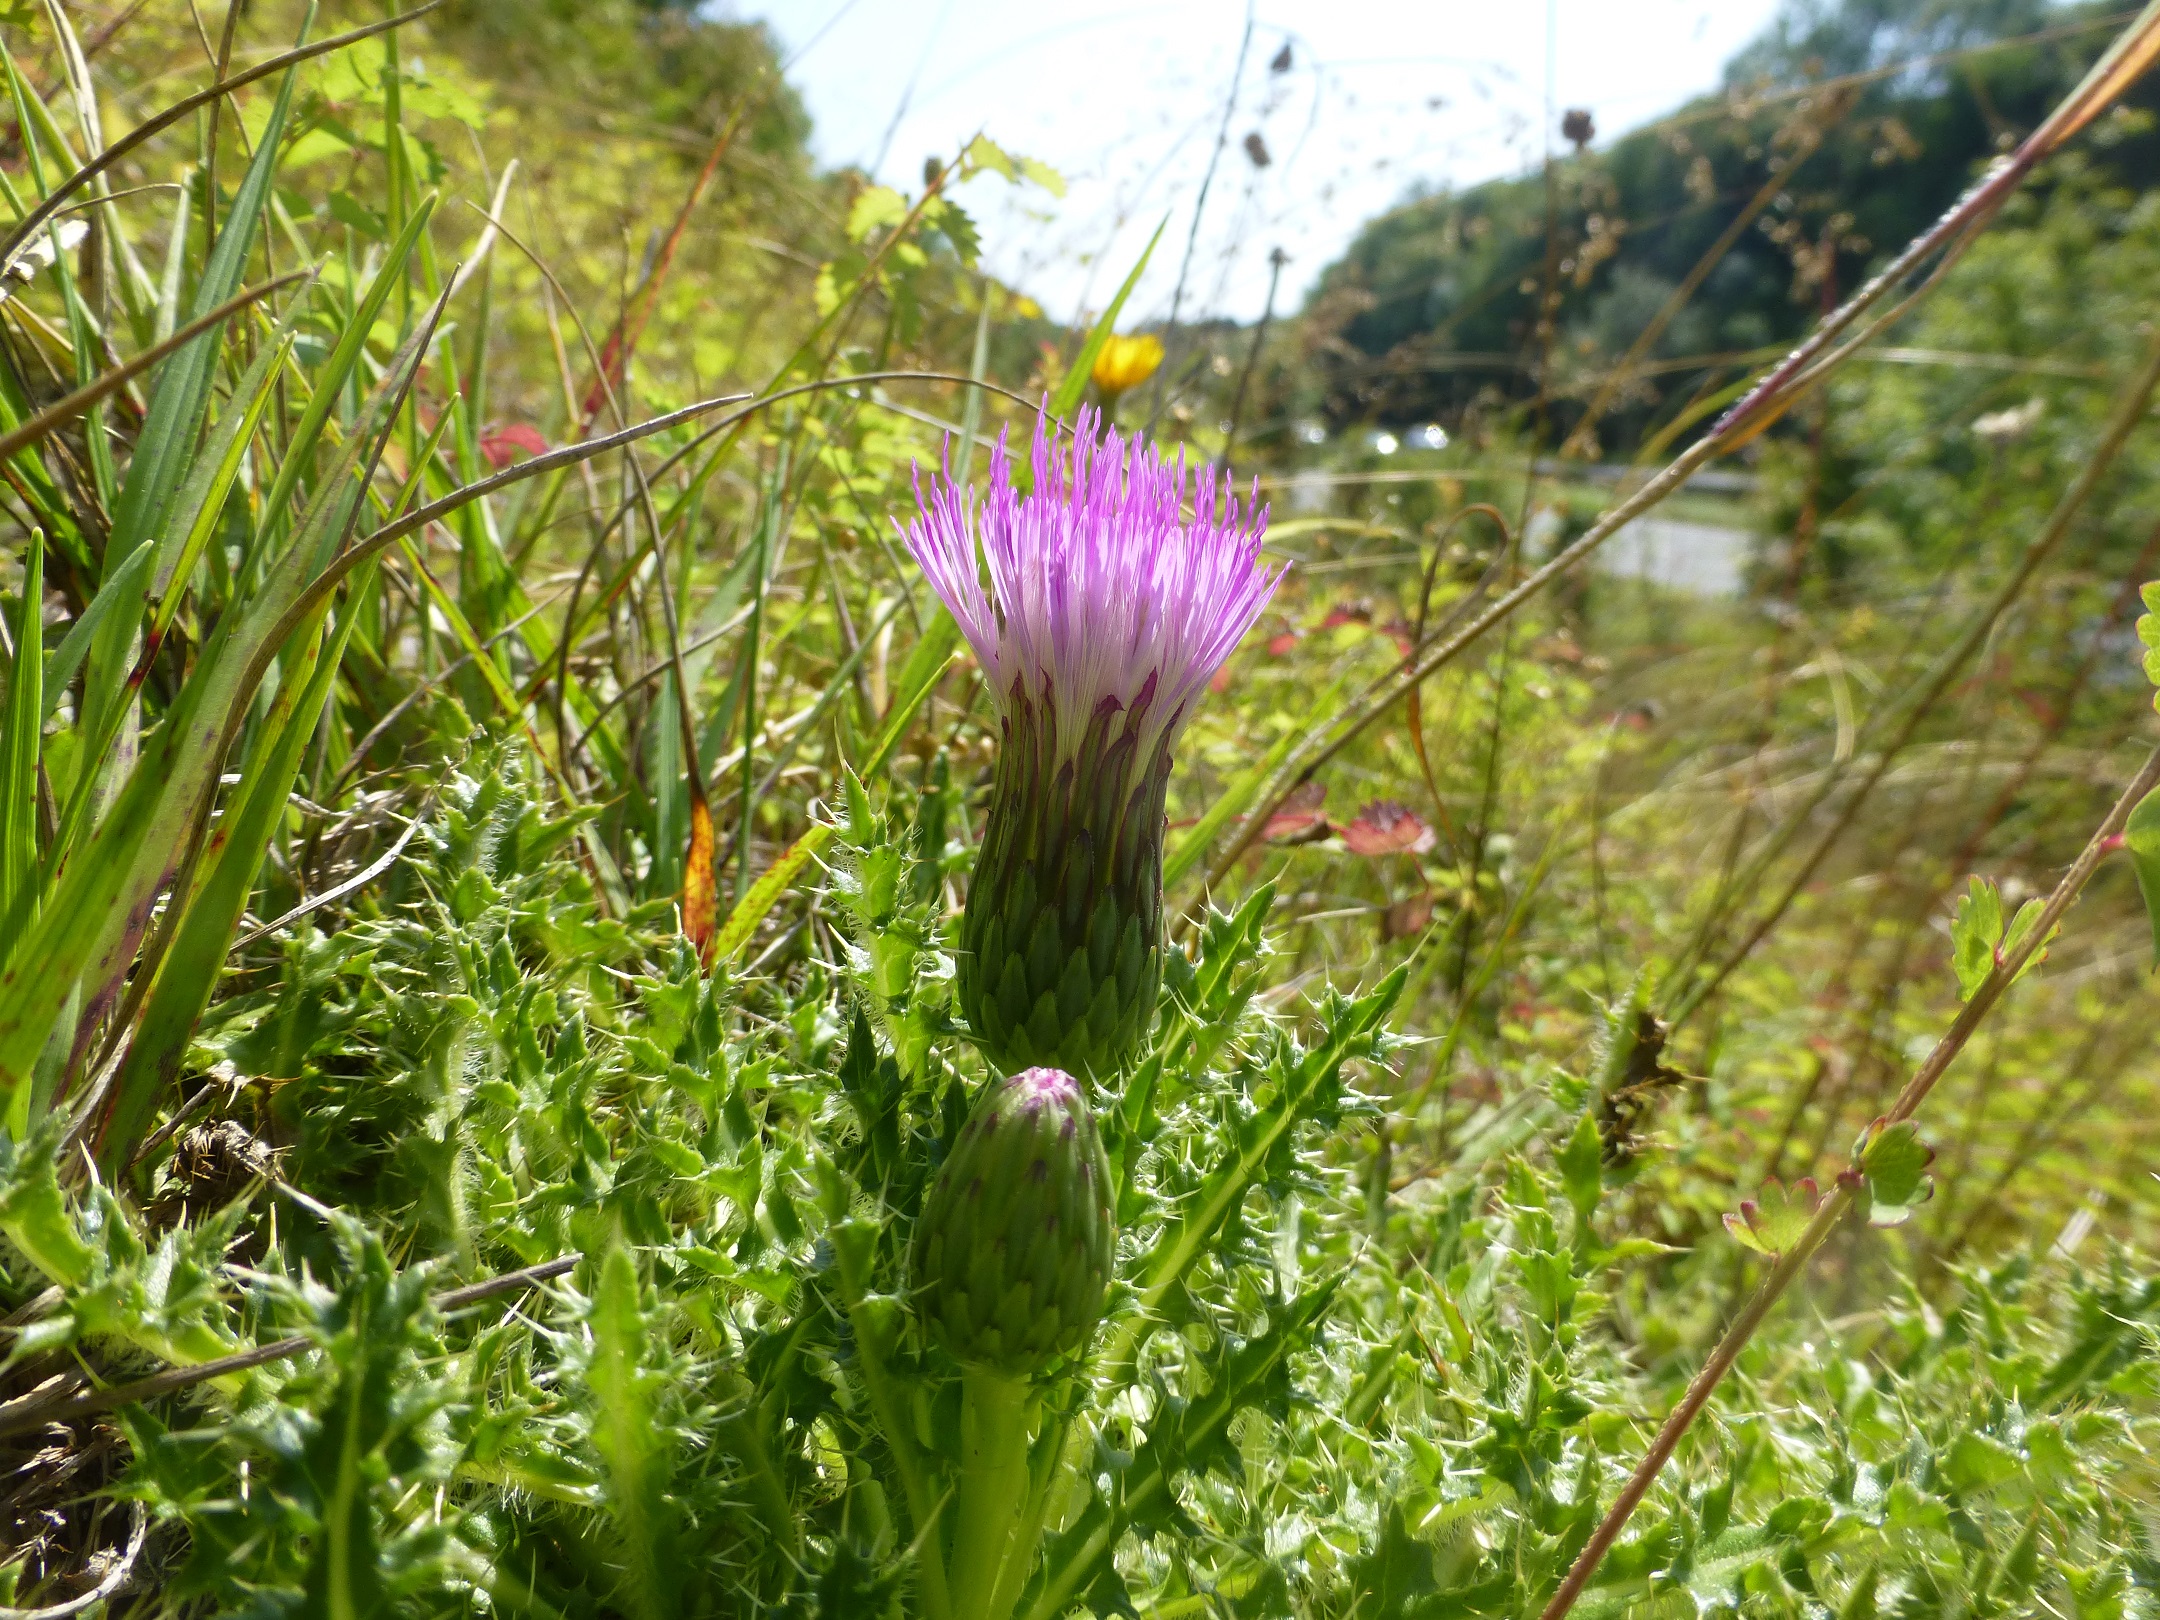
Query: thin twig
{"type": "Point", "coordinates": [2128, 413]}
{"type": "Point", "coordinates": [358, 880]}
{"type": "Point", "coordinates": [1192, 237]}
{"type": "Point", "coordinates": [1843, 1195]}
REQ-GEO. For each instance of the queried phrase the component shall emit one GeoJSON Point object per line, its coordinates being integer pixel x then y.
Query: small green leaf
{"type": "Point", "coordinates": [960, 230]}
{"type": "Point", "coordinates": [1894, 1162]}
{"type": "Point", "coordinates": [2148, 629]}
{"type": "Point", "coordinates": [877, 206]}
{"type": "Point", "coordinates": [1581, 1166]}
{"type": "Point", "coordinates": [2141, 836]}
{"type": "Point", "coordinates": [1042, 174]}
{"type": "Point", "coordinates": [1776, 1218]}
{"type": "Point", "coordinates": [1973, 935]}
{"type": "Point", "coordinates": [1977, 1462]}
{"type": "Point", "coordinates": [2027, 918]}
{"type": "Point", "coordinates": [984, 153]}
{"type": "Point", "coordinates": [347, 209]}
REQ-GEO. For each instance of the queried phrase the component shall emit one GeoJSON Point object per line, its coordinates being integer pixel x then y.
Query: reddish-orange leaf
{"type": "Point", "coordinates": [500, 445]}
{"type": "Point", "coordinates": [1300, 818]}
{"type": "Point", "coordinates": [1387, 828]}
{"type": "Point", "coordinates": [701, 892]}
{"type": "Point", "coordinates": [1407, 917]}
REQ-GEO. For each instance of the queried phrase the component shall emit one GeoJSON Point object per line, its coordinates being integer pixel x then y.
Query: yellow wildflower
{"type": "Point", "coordinates": [1126, 362]}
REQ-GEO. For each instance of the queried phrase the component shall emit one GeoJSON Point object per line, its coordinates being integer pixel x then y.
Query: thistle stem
{"type": "Point", "coordinates": [995, 1416]}
{"type": "Point", "coordinates": [1020, 1558]}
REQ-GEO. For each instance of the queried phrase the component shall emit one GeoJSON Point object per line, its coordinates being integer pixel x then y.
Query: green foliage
{"type": "Point", "coordinates": [1893, 1165]}
{"type": "Point", "coordinates": [1866, 163]}
{"type": "Point", "coordinates": [351, 866]}
{"type": "Point", "coordinates": [1979, 941]}
{"type": "Point", "coordinates": [1772, 1221]}
{"type": "Point", "coordinates": [1280, 1412]}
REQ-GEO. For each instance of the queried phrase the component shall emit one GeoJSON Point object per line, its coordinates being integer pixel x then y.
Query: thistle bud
{"type": "Point", "coordinates": [1013, 1249]}
{"type": "Point", "coordinates": [1108, 610]}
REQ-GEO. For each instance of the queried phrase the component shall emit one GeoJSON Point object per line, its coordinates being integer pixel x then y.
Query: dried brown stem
{"type": "Point", "coordinates": [1841, 1198]}
{"type": "Point", "coordinates": [1789, 381]}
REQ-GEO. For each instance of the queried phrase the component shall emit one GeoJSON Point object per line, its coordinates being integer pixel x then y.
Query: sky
{"type": "Point", "coordinates": [1127, 102]}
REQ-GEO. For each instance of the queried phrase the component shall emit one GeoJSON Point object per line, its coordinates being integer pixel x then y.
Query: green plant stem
{"type": "Point", "coordinates": [1055, 1466]}
{"type": "Point", "coordinates": [1833, 1209]}
{"type": "Point", "coordinates": [995, 1413]}
{"type": "Point", "coordinates": [889, 1406]}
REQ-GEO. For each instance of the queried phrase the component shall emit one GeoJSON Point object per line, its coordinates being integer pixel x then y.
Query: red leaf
{"type": "Point", "coordinates": [1300, 818]}
{"type": "Point", "coordinates": [1385, 828]}
{"type": "Point", "coordinates": [499, 445]}
{"type": "Point", "coordinates": [1283, 645]}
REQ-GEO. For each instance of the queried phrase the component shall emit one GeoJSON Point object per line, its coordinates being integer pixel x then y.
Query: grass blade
{"type": "Point", "coordinates": [191, 967]}
{"type": "Point", "coordinates": [19, 746]}
{"type": "Point", "coordinates": [1067, 398]}
{"type": "Point", "coordinates": [101, 903]}
{"type": "Point", "coordinates": [165, 447]}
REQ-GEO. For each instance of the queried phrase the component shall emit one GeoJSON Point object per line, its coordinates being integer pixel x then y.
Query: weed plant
{"type": "Point", "coordinates": [490, 808]}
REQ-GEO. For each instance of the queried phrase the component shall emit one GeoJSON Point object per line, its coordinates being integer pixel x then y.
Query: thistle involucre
{"type": "Point", "coordinates": [1012, 1251]}
{"type": "Point", "coordinates": [1109, 607]}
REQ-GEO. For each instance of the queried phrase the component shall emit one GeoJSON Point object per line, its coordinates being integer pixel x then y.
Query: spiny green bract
{"type": "Point", "coordinates": [1061, 945]}
{"type": "Point", "coordinates": [1013, 1248]}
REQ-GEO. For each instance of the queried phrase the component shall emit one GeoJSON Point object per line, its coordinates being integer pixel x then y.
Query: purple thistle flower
{"type": "Point", "coordinates": [1108, 608]}
{"type": "Point", "coordinates": [1100, 586]}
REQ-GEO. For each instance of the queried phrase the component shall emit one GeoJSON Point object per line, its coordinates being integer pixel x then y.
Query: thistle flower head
{"type": "Point", "coordinates": [1108, 606]}
{"type": "Point", "coordinates": [1104, 589]}
{"type": "Point", "coordinates": [1012, 1251]}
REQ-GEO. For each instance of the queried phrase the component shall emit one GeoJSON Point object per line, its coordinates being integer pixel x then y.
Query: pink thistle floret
{"type": "Point", "coordinates": [1103, 585]}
